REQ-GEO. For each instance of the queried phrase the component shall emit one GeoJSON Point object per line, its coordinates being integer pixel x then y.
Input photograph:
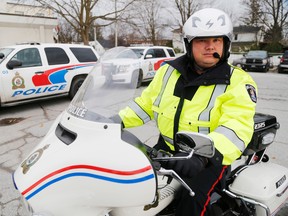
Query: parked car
{"type": "Point", "coordinates": [35, 71]}
{"type": "Point", "coordinates": [143, 64]}
{"type": "Point", "coordinates": [283, 65]}
{"type": "Point", "coordinates": [238, 62]}
{"type": "Point", "coordinates": [256, 60]}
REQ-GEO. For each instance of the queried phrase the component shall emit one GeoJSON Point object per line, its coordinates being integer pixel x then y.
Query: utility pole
{"type": "Point", "coordinates": [95, 37]}
{"type": "Point", "coordinates": [116, 26]}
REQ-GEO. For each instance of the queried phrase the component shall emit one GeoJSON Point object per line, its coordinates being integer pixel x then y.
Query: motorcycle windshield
{"type": "Point", "coordinates": [100, 97]}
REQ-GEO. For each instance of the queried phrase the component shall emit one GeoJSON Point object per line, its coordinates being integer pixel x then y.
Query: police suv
{"type": "Point", "coordinates": [34, 71]}
{"type": "Point", "coordinates": [142, 66]}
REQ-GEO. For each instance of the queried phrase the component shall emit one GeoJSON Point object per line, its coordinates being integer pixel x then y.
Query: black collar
{"type": "Point", "coordinates": [220, 74]}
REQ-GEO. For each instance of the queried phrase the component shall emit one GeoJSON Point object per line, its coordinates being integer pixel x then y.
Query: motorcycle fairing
{"type": "Point", "coordinates": [97, 178]}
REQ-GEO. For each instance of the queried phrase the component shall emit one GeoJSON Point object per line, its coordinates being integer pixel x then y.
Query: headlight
{"type": "Point", "coordinates": [268, 138]}
{"type": "Point", "coordinates": [264, 61]}
{"type": "Point", "coordinates": [123, 68]}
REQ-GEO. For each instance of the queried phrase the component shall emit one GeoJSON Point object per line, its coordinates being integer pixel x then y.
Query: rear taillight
{"type": "Point", "coordinates": [282, 60]}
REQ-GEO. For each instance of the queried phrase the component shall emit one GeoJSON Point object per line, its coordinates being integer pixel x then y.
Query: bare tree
{"type": "Point", "coordinates": [147, 21]}
{"type": "Point", "coordinates": [253, 13]}
{"type": "Point", "coordinates": [275, 14]}
{"type": "Point", "coordinates": [65, 35]}
{"type": "Point", "coordinates": [80, 16]}
{"type": "Point", "coordinates": [269, 14]}
{"type": "Point", "coordinates": [186, 8]}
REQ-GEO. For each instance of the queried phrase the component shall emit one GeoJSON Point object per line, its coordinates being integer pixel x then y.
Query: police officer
{"type": "Point", "coordinates": [200, 92]}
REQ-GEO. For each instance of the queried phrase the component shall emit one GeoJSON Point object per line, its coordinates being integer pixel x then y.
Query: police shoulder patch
{"type": "Point", "coordinates": [252, 92]}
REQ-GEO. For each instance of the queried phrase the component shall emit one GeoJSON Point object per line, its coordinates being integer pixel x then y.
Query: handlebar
{"type": "Point", "coordinates": [174, 175]}
{"type": "Point", "coordinates": [161, 155]}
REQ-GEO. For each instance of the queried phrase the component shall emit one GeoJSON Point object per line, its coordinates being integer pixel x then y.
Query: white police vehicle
{"type": "Point", "coordinates": [141, 66]}
{"type": "Point", "coordinates": [34, 71]}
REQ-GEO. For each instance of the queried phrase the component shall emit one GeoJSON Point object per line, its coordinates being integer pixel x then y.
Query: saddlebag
{"type": "Point", "coordinates": [265, 183]}
{"type": "Point", "coordinates": [265, 127]}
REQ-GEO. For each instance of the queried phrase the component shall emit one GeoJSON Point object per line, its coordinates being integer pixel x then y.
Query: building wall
{"type": "Point", "coordinates": [20, 24]}
{"type": "Point", "coordinates": [28, 10]}
{"type": "Point", "coordinates": [244, 37]}
{"type": "Point", "coordinates": [247, 37]}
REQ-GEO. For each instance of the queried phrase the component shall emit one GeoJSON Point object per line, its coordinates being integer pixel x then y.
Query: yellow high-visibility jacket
{"type": "Point", "coordinates": [220, 103]}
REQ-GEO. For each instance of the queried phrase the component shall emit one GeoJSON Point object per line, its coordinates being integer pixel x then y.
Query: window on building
{"type": "Point", "coordinates": [236, 37]}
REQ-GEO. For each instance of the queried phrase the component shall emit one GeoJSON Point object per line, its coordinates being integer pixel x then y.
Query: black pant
{"type": "Point", "coordinates": [203, 185]}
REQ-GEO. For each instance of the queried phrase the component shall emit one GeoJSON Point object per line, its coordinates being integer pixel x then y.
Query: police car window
{"type": "Point", "coordinates": [138, 52]}
{"type": "Point", "coordinates": [159, 53]}
{"type": "Point", "coordinates": [151, 52]}
{"type": "Point", "coordinates": [84, 54]}
{"type": "Point", "coordinates": [56, 55]}
{"type": "Point", "coordinates": [127, 54]}
{"type": "Point", "coordinates": [5, 52]}
{"type": "Point", "coordinates": [171, 53]}
{"type": "Point", "coordinates": [29, 57]}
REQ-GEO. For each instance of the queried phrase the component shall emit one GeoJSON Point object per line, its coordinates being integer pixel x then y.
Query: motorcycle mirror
{"type": "Point", "coordinates": [201, 144]}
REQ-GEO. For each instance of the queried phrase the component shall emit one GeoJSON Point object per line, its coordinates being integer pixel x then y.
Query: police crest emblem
{"type": "Point", "coordinates": [32, 159]}
{"type": "Point", "coordinates": [18, 81]}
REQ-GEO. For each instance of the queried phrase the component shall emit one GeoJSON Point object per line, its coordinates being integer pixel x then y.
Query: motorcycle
{"type": "Point", "coordinates": [87, 164]}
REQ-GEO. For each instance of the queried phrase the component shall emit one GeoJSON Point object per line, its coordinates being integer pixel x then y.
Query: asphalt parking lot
{"type": "Point", "coordinates": [23, 126]}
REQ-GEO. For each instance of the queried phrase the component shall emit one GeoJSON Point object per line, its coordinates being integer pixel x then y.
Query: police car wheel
{"type": "Point", "coordinates": [140, 77]}
{"type": "Point", "coordinates": [136, 80]}
{"type": "Point", "coordinates": [77, 82]}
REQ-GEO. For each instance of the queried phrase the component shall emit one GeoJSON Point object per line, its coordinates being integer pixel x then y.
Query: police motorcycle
{"type": "Point", "coordinates": [87, 164]}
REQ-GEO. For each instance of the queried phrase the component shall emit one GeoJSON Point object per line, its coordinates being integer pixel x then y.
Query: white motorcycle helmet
{"type": "Point", "coordinates": [208, 22]}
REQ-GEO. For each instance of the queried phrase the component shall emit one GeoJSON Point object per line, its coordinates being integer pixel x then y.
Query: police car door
{"type": "Point", "coordinates": [20, 70]}
{"type": "Point", "coordinates": [151, 58]}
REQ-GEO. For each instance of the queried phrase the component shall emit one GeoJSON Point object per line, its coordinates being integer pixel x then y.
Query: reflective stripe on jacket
{"type": "Point", "coordinates": [217, 103]}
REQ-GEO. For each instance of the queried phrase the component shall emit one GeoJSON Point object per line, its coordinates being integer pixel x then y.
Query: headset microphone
{"type": "Point", "coordinates": [216, 55]}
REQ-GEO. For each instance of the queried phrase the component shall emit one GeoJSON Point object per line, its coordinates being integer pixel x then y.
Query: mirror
{"type": "Point", "coordinates": [13, 64]}
{"type": "Point", "coordinates": [2, 55]}
{"type": "Point", "coordinates": [202, 144]}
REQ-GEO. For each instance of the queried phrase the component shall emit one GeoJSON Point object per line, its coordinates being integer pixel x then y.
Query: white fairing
{"type": "Point", "coordinates": [85, 173]}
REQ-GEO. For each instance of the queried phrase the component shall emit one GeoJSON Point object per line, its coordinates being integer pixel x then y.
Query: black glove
{"type": "Point", "coordinates": [186, 168]}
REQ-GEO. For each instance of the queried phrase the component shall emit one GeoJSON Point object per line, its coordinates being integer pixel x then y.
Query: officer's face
{"type": "Point", "coordinates": [203, 49]}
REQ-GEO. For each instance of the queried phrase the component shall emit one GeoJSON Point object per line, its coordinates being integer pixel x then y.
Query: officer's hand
{"type": "Point", "coordinates": [186, 168]}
